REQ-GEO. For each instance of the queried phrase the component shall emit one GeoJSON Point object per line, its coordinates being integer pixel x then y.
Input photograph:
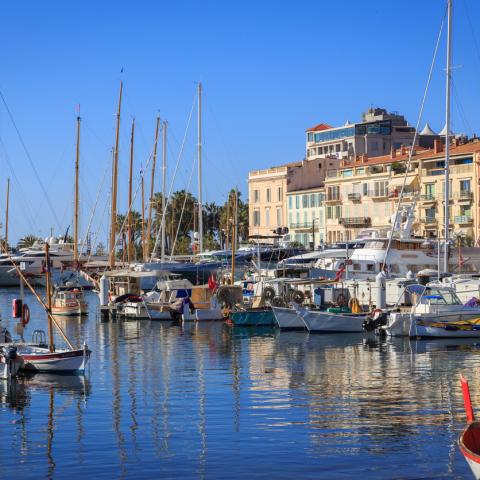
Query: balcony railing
{"type": "Point", "coordinates": [333, 198]}
{"type": "Point", "coordinates": [462, 219]}
{"type": "Point", "coordinates": [378, 193]}
{"type": "Point", "coordinates": [429, 220]}
{"type": "Point", "coordinates": [355, 221]}
{"type": "Point", "coordinates": [355, 197]}
{"type": "Point", "coordinates": [407, 192]}
{"type": "Point", "coordinates": [463, 195]}
{"type": "Point", "coordinates": [428, 197]}
{"type": "Point", "coordinates": [303, 225]}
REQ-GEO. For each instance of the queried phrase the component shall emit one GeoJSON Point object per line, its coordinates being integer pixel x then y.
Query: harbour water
{"type": "Point", "coordinates": [212, 401]}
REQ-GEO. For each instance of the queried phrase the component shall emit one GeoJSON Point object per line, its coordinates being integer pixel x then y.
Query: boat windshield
{"type": "Point", "coordinates": [435, 296]}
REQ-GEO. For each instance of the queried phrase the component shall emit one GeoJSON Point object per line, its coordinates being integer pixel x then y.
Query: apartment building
{"type": "Point", "coordinates": [364, 192]}
{"type": "Point", "coordinates": [267, 199]}
{"type": "Point", "coordinates": [377, 133]}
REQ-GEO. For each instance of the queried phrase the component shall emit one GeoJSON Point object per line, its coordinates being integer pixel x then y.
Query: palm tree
{"type": "Point", "coordinates": [27, 241]}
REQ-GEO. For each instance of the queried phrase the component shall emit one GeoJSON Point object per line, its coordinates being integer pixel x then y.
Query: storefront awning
{"type": "Point", "coordinates": [398, 181]}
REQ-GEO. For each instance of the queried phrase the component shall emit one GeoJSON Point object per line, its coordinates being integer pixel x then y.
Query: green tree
{"type": "Point", "coordinates": [27, 241]}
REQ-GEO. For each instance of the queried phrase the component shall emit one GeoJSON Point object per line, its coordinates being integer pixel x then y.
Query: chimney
{"type": "Point", "coordinates": [364, 158]}
{"type": "Point", "coordinates": [393, 152]}
{"type": "Point", "coordinates": [437, 146]}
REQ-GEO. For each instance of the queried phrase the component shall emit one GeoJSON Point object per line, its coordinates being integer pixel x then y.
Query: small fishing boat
{"type": "Point", "coordinates": [40, 358]}
{"type": "Point", "coordinates": [469, 441]}
{"type": "Point", "coordinates": [454, 329]}
{"type": "Point", "coordinates": [69, 299]}
{"type": "Point", "coordinates": [332, 320]}
{"type": "Point", "coordinates": [253, 317]}
{"type": "Point", "coordinates": [10, 362]}
{"type": "Point", "coordinates": [288, 318]}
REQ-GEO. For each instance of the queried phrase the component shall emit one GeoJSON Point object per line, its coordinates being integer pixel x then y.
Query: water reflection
{"type": "Point", "coordinates": [203, 399]}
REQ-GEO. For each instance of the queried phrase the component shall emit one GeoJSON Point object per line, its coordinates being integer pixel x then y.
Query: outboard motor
{"type": "Point", "coordinates": [10, 353]}
{"type": "Point", "coordinates": [375, 321]}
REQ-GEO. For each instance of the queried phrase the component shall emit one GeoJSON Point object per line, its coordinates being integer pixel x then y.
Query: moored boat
{"type": "Point", "coordinates": [10, 362]}
{"type": "Point", "coordinates": [69, 299]}
{"type": "Point", "coordinates": [323, 321]}
{"type": "Point", "coordinates": [288, 318]}
{"type": "Point", "coordinates": [469, 441]}
{"type": "Point", "coordinates": [253, 317]}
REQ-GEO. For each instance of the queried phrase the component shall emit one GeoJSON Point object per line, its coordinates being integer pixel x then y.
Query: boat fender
{"type": "Point", "coordinates": [298, 297]}
{"type": "Point", "coordinates": [25, 314]}
{"type": "Point", "coordinates": [17, 307]}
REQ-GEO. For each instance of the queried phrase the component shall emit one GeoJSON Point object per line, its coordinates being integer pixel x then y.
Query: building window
{"type": "Point", "coordinates": [290, 219]}
{"type": "Point", "coordinates": [290, 202]}
{"type": "Point", "coordinates": [256, 196]}
{"type": "Point", "coordinates": [374, 146]}
{"type": "Point", "coordinates": [256, 218]}
{"type": "Point", "coordinates": [297, 218]}
{"type": "Point", "coordinates": [297, 201]}
{"type": "Point", "coordinates": [329, 213]}
{"type": "Point", "coordinates": [269, 199]}
{"type": "Point", "coordinates": [338, 211]}
{"type": "Point", "coordinates": [464, 186]}
{"type": "Point", "coordinates": [305, 218]}
{"type": "Point", "coordinates": [338, 147]}
{"type": "Point", "coordinates": [333, 193]}
{"type": "Point", "coordinates": [429, 191]}
{"type": "Point", "coordinates": [279, 194]}
{"type": "Point", "coordinates": [309, 137]}
{"type": "Point", "coordinates": [312, 200]}
{"type": "Point", "coordinates": [305, 201]}
{"type": "Point", "coordinates": [267, 217]}
{"type": "Point", "coordinates": [279, 217]}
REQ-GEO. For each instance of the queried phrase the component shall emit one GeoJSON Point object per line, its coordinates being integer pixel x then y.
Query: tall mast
{"type": "Point", "coordinates": [447, 136]}
{"type": "Point", "coordinates": [76, 201]}
{"type": "Point", "coordinates": [114, 183]}
{"type": "Point", "coordinates": [164, 184]}
{"type": "Point", "coordinates": [49, 298]}
{"type": "Point", "coordinates": [6, 214]}
{"type": "Point", "coordinates": [152, 185]}
{"type": "Point", "coordinates": [143, 219]}
{"type": "Point", "coordinates": [199, 155]}
{"type": "Point", "coordinates": [130, 236]}
{"type": "Point", "coordinates": [234, 234]}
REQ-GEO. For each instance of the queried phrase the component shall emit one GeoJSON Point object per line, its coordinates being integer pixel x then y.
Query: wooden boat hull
{"type": "Point", "coordinates": [253, 318]}
{"type": "Point", "coordinates": [469, 444]}
{"type": "Point", "coordinates": [327, 322]}
{"type": "Point", "coordinates": [70, 311]}
{"type": "Point", "coordinates": [40, 359]}
{"type": "Point", "coordinates": [288, 319]}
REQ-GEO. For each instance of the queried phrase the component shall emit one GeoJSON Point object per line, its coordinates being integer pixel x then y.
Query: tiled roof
{"type": "Point", "coordinates": [420, 154]}
{"type": "Point", "coordinates": [319, 127]}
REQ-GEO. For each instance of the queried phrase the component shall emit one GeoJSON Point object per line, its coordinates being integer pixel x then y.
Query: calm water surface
{"type": "Point", "coordinates": [211, 401]}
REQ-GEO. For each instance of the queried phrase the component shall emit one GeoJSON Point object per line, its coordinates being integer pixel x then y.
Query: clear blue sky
{"type": "Point", "coordinates": [269, 69]}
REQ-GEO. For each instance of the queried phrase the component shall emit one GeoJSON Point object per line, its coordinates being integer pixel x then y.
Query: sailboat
{"type": "Point", "coordinates": [40, 356]}
{"type": "Point", "coordinates": [69, 298]}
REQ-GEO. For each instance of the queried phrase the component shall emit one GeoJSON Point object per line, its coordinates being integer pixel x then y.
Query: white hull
{"type": "Point", "coordinates": [288, 319]}
{"type": "Point", "coordinates": [202, 314]}
{"type": "Point", "coordinates": [400, 324]}
{"type": "Point", "coordinates": [42, 360]}
{"type": "Point", "coordinates": [426, 331]}
{"type": "Point", "coordinates": [317, 321]}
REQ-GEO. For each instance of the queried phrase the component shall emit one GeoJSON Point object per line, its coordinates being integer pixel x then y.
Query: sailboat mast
{"type": "Point", "coordinates": [143, 219]}
{"type": "Point", "coordinates": [199, 155]}
{"type": "Point", "coordinates": [76, 201]}
{"type": "Point", "coordinates": [234, 233]}
{"type": "Point", "coordinates": [49, 297]}
{"type": "Point", "coordinates": [114, 183]}
{"type": "Point", "coordinates": [130, 237]}
{"type": "Point", "coordinates": [152, 186]}
{"type": "Point", "coordinates": [447, 135]}
{"type": "Point", "coordinates": [6, 214]}
{"type": "Point", "coordinates": [164, 185]}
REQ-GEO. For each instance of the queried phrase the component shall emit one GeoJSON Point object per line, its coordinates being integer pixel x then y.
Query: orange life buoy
{"type": "Point", "coordinates": [25, 314]}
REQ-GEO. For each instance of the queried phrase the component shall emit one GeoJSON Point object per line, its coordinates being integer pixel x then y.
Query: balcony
{"type": "Point", "coordinates": [463, 196]}
{"type": "Point", "coordinates": [354, 197]}
{"type": "Point", "coordinates": [378, 194]}
{"type": "Point", "coordinates": [333, 199]}
{"type": "Point", "coordinates": [303, 225]}
{"type": "Point", "coordinates": [429, 220]}
{"type": "Point", "coordinates": [463, 219]}
{"type": "Point", "coordinates": [355, 221]}
{"type": "Point", "coordinates": [407, 192]}
{"type": "Point", "coordinates": [428, 198]}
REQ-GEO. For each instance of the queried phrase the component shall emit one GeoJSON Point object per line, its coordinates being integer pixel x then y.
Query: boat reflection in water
{"type": "Point", "coordinates": [177, 400]}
